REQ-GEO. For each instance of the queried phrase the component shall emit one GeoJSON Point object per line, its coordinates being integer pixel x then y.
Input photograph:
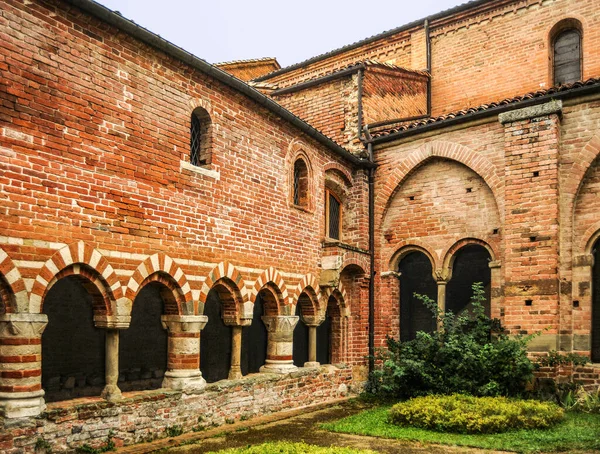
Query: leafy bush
{"type": "Point", "coordinates": [554, 358]}
{"type": "Point", "coordinates": [474, 415]}
{"type": "Point", "coordinates": [293, 448]}
{"type": "Point", "coordinates": [470, 354]}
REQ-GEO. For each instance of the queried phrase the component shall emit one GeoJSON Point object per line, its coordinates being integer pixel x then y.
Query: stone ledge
{"type": "Point", "coordinates": [552, 107]}
{"type": "Point", "coordinates": [200, 170]}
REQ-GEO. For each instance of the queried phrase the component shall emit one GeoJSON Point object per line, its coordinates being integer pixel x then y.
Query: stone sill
{"type": "Point", "coordinates": [57, 410]}
{"type": "Point", "coordinates": [200, 170]}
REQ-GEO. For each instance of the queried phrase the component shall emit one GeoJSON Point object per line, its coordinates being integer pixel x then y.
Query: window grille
{"type": "Point", "coordinates": [195, 141]}
{"type": "Point", "coordinates": [334, 208]}
{"type": "Point", "coordinates": [296, 185]}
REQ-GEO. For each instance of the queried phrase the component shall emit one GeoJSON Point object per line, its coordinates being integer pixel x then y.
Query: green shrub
{"type": "Point", "coordinates": [474, 415]}
{"type": "Point", "coordinates": [293, 448]}
{"type": "Point", "coordinates": [470, 354]}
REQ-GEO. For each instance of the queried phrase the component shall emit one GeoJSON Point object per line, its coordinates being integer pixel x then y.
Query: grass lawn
{"type": "Point", "coordinates": [579, 431]}
{"type": "Point", "coordinates": [283, 447]}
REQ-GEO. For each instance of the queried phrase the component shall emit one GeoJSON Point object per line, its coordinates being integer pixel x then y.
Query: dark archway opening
{"type": "Point", "coordinates": [471, 264]}
{"type": "Point", "coordinates": [596, 304]}
{"type": "Point", "coordinates": [416, 277]}
{"type": "Point", "coordinates": [215, 340]}
{"type": "Point", "coordinates": [300, 350]}
{"type": "Point", "coordinates": [255, 336]}
{"type": "Point", "coordinates": [143, 346]}
{"type": "Point", "coordinates": [72, 347]}
{"type": "Point", "coordinates": [324, 334]}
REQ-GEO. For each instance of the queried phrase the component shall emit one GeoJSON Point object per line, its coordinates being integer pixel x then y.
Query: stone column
{"type": "Point", "coordinates": [112, 324]}
{"type": "Point", "coordinates": [441, 294]}
{"type": "Point", "coordinates": [312, 321]}
{"type": "Point", "coordinates": [237, 324]}
{"type": "Point", "coordinates": [280, 344]}
{"type": "Point", "coordinates": [183, 365]}
{"type": "Point", "coordinates": [21, 393]}
{"type": "Point", "coordinates": [111, 391]}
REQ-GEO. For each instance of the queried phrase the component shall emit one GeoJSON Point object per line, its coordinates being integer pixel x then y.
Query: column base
{"type": "Point", "coordinates": [235, 374]}
{"type": "Point", "coordinates": [312, 364]}
{"type": "Point", "coordinates": [111, 393]}
{"type": "Point", "coordinates": [274, 367]}
{"type": "Point", "coordinates": [22, 405]}
{"type": "Point", "coordinates": [184, 380]}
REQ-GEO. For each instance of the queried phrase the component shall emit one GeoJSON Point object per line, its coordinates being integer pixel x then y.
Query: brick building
{"type": "Point", "coordinates": [184, 244]}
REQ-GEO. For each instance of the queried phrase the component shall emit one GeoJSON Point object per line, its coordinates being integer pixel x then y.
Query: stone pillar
{"type": "Point", "coordinates": [21, 393]}
{"type": "Point", "coordinates": [183, 365]}
{"type": "Point", "coordinates": [111, 391]}
{"type": "Point", "coordinates": [312, 321]}
{"type": "Point", "coordinates": [280, 344]}
{"type": "Point", "coordinates": [112, 324]}
{"type": "Point", "coordinates": [441, 295]}
{"type": "Point", "coordinates": [235, 370]}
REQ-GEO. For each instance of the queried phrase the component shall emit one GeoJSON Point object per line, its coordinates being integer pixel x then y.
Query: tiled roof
{"type": "Point", "coordinates": [399, 127]}
{"type": "Point", "coordinates": [362, 42]}
{"type": "Point", "coordinates": [250, 60]}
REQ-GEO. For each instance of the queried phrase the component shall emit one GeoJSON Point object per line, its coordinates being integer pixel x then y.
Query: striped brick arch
{"type": "Point", "coordinates": [162, 269]}
{"type": "Point", "coordinates": [339, 293]}
{"type": "Point", "coordinates": [272, 279]}
{"type": "Point", "coordinates": [309, 285]}
{"type": "Point", "coordinates": [448, 150]}
{"type": "Point", "coordinates": [83, 260]}
{"type": "Point", "coordinates": [223, 270]}
{"type": "Point", "coordinates": [13, 294]}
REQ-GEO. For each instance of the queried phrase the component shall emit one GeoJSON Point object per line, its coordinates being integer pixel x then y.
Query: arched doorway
{"type": "Point", "coordinates": [470, 265]}
{"type": "Point", "coordinates": [595, 341]}
{"type": "Point", "coordinates": [73, 349]}
{"type": "Point", "coordinates": [416, 277]}
{"type": "Point", "coordinates": [143, 346]}
{"type": "Point", "coordinates": [215, 339]}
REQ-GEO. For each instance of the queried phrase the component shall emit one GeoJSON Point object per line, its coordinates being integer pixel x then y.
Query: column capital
{"type": "Point", "coordinates": [22, 325]}
{"type": "Point", "coordinates": [112, 321]}
{"type": "Point", "coordinates": [283, 324]}
{"type": "Point", "coordinates": [184, 323]}
{"type": "Point", "coordinates": [442, 276]}
{"type": "Point", "coordinates": [313, 320]}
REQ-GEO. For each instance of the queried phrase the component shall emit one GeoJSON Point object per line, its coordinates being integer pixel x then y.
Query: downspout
{"type": "Point", "coordinates": [428, 51]}
{"type": "Point", "coordinates": [361, 74]}
{"type": "Point", "coordinates": [371, 258]}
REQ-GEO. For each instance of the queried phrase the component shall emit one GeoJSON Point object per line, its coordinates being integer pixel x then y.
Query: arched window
{"type": "Point", "coordinates": [300, 182]}
{"type": "Point", "coordinates": [566, 52]}
{"type": "Point", "coordinates": [200, 137]}
{"type": "Point", "coordinates": [333, 216]}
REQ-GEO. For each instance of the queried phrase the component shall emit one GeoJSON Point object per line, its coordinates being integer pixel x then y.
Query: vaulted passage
{"type": "Point", "coordinates": [324, 335]}
{"type": "Point", "coordinates": [300, 340]}
{"type": "Point", "coordinates": [471, 264]}
{"type": "Point", "coordinates": [254, 338]}
{"type": "Point", "coordinates": [215, 341]}
{"type": "Point", "coordinates": [596, 305]}
{"type": "Point", "coordinates": [143, 346]}
{"type": "Point", "coordinates": [72, 348]}
{"type": "Point", "coordinates": [415, 277]}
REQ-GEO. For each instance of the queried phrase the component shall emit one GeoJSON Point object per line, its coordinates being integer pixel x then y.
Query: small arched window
{"type": "Point", "coordinates": [566, 52]}
{"type": "Point", "coordinates": [333, 216]}
{"type": "Point", "coordinates": [300, 183]}
{"type": "Point", "coordinates": [200, 137]}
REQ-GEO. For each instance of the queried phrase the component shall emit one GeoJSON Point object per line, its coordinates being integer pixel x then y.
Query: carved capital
{"type": "Point", "coordinates": [442, 275]}
{"type": "Point", "coordinates": [22, 325]}
{"type": "Point", "coordinates": [112, 321]}
{"type": "Point", "coordinates": [184, 323]}
{"type": "Point", "coordinates": [313, 320]}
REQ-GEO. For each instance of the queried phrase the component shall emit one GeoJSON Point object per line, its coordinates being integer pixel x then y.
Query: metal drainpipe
{"type": "Point", "coordinates": [372, 261]}
{"type": "Point", "coordinates": [361, 74]}
{"type": "Point", "coordinates": [428, 51]}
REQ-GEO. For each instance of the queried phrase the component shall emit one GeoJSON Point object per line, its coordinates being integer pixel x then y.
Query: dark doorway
{"type": "Point", "coordinates": [254, 340]}
{"type": "Point", "coordinates": [143, 346]}
{"type": "Point", "coordinates": [471, 265]}
{"type": "Point", "coordinates": [416, 277]}
{"type": "Point", "coordinates": [215, 341]}
{"type": "Point", "coordinates": [324, 336]}
{"type": "Point", "coordinates": [300, 339]}
{"type": "Point", "coordinates": [596, 304]}
{"type": "Point", "coordinates": [72, 348]}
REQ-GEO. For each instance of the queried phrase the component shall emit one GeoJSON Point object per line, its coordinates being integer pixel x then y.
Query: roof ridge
{"type": "Point", "coordinates": [248, 60]}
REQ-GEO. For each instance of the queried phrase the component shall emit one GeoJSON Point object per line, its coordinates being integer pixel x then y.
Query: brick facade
{"type": "Point", "coordinates": [101, 205]}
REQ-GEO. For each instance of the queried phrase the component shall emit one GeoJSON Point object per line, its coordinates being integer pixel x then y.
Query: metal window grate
{"type": "Point", "coordinates": [334, 218]}
{"type": "Point", "coordinates": [195, 139]}
{"type": "Point", "coordinates": [296, 184]}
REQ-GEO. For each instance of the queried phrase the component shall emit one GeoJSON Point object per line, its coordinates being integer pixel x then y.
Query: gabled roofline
{"type": "Point", "coordinates": [131, 28]}
{"type": "Point", "coordinates": [402, 28]}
